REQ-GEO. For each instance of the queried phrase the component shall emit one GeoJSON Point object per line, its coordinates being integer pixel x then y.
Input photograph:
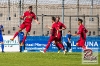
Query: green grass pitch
{"type": "Point", "coordinates": [40, 59]}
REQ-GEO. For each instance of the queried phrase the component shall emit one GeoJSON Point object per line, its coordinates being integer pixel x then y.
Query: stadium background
{"type": "Point", "coordinates": [68, 10]}
{"type": "Point", "coordinates": [10, 11]}
{"type": "Point", "coordinates": [88, 10]}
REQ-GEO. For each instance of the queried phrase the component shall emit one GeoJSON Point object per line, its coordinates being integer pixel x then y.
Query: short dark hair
{"type": "Point", "coordinates": [58, 17]}
{"type": "Point", "coordinates": [69, 31]}
{"type": "Point", "coordinates": [30, 7]}
{"type": "Point", "coordinates": [80, 20]}
{"type": "Point", "coordinates": [53, 18]}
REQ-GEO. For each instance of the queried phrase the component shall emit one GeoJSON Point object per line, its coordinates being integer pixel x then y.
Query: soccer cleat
{"type": "Point", "coordinates": [42, 51]}
{"type": "Point", "coordinates": [58, 51]}
{"type": "Point", "coordinates": [12, 39]}
{"type": "Point", "coordinates": [64, 51]}
{"type": "Point", "coordinates": [70, 50]}
{"type": "Point", "coordinates": [3, 52]}
{"type": "Point", "coordinates": [25, 50]}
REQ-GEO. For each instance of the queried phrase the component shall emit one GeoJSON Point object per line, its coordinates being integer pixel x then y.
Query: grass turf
{"type": "Point", "coordinates": [40, 59]}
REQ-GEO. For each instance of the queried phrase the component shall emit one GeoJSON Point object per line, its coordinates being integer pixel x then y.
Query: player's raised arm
{"type": "Point", "coordinates": [37, 21]}
{"type": "Point", "coordinates": [48, 27]}
{"type": "Point", "coordinates": [62, 29]}
{"type": "Point", "coordinates": [22, 17]}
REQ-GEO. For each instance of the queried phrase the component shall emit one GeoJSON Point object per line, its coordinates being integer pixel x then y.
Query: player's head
{"type": "Point", "coordinates": [80, 21]}
{"type": "Point", "coordinates": [57, 18]}
{"type": "Point", "coordinates": [53, 19]}
{"type": "Point", "coordinates": [69, 31]}
{"type": "Point", "coordinates": [30, 8]}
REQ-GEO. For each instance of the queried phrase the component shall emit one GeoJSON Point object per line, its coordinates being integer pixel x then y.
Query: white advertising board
{"type": "Point", "coordinates": [10, 46]}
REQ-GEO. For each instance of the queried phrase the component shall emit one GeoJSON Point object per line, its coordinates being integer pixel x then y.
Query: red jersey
{"type": "Point", "coordinates": [82, 32]}
{"type": "Point", "coordinates": [53, 30]}
{"type": "Point", "coordinates": [29, 16]}
{"type": "Point", "coordinates": [60, 25]}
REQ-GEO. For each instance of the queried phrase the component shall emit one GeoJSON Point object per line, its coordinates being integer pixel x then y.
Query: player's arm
{"type": "Point", "coordinates": [22, 17]}
{"type": "Point", "coordinates": [79, 32]}
{"type": "Point", "coordinates": [86, 30]}
{"type": "Point", "coordinates": [63, 27]}
{"type": "Point", "coordinates": [37, 21]}
{"type": "Point", "coordinates": [3, 30]}
{"type": "Point", "coordinates": [48, 27]}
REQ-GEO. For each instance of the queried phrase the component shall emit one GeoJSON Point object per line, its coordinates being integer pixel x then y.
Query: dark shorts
{"type": "Point", "coordinates": [1, 38]}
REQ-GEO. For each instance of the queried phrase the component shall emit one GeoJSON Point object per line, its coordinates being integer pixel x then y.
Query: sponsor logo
{"type": "Point", "coordinates": [90, 56]}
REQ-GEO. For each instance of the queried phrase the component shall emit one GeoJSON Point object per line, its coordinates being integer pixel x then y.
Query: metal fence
{"type": "Point", "coordinates": [68, 10]}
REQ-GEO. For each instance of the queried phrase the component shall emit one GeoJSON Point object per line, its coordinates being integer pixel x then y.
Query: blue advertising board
{"type": "Point", "coordinates": [37, 43]}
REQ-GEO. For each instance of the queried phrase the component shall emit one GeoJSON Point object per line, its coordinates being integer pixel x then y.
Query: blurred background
{"type": "Point", "coordinates": [68, 10]}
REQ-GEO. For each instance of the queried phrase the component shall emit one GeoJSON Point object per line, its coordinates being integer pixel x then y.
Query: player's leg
{"type": "Point", "coordinates": [57, 46]}
{"type": "Point", "coordinates": [49, 42]}
{"type": "Point", "coordinates": [2, 44]}
{"type": "Point", "coordinates": [23, 41]}
{"type": "Point", "coordinates": [28, 28]}
{"type": "Point", "coordinates": [24, 38]}
{"type": "Point", "coordinates": [67, 47]}
{"type": "Point", "coordinates": [56, 41]}
{"type": "Point", "coordinates": [70, 50]}
{"type": "Point", "coordinates": [81, 43]}
{"type": "Point", "coordinates": [20, 47]}
{"type": "Point", "coordinates": [60, 41]}
{"type": "Point", "coordinates": [60, 44]}
{"type": "Point", "coordinates": [84, 47]}
{"type": "Point", "coordinates": [22, 26]}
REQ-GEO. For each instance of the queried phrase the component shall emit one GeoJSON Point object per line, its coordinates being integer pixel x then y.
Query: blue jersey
{"type": "Point", "coordinates": [68, 36]}
{"type": "Point", "coordinates": [1, 27]}
{"type": "Point", "coordinates": [20, 36]}
{"type": "Point", "coordinates": [1, 37]}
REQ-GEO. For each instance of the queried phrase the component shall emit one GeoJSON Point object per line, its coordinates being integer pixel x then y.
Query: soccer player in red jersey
{"type": "Point", "coordinates": [60, 26]}
{"type": "Point", "coordinates": [53, 35]}
{"type": "Point", "coordinates": [27, 17]}
{"type": "Point", "coordinates": [82, 32]}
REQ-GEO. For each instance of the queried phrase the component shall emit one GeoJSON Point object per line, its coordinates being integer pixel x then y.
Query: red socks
{"type": "Point", "coordinates": [15, 34]}
{"type": "Point", "coordinates": [61, 46]}
{"type": "Point", "coordinates": [24, 39]}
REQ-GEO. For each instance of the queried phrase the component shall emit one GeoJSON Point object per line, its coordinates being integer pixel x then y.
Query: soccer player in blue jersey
{"type": "Point", "coordinates": [68, 41]}
{"type": "Point", "coordinates": [1, 38]}
{"type": "Point", "coordinates": [20, 39]}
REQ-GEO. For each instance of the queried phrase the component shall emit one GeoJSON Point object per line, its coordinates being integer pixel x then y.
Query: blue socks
{"type": "Point", "coordinates": [2, 47]}
{"type": "Point", "coordinates": [21, 48]}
